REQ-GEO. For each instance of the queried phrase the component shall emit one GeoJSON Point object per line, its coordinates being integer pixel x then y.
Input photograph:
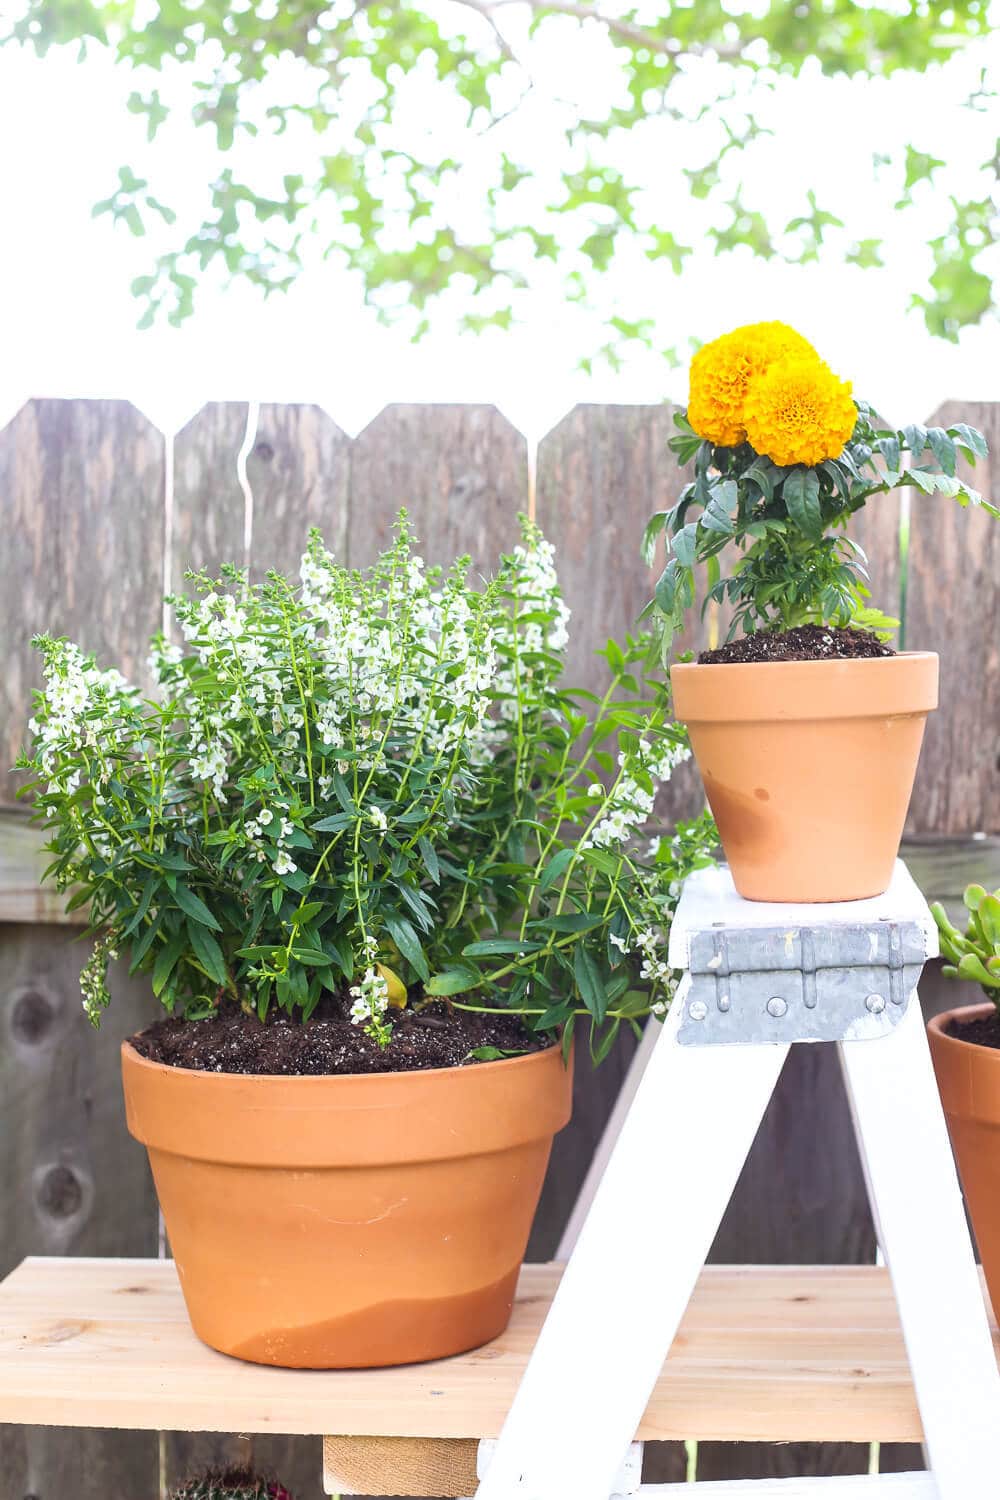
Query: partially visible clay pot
{"type": "Point", "coordinates": [969, 1080]}
{"type": "Point", "coordinates": [332, 1222]}
{"type": "Point", "coordinates": [808, 767]}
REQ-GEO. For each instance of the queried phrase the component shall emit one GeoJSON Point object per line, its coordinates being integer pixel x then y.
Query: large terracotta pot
{"type": "Point", "coordinates": [808, 767]}
{"type": "Point", "coordinates": [336, 1222]}
{"type": "Point", "coordinates": [969, 1080]}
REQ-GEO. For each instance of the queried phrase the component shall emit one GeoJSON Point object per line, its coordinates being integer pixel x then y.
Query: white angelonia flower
{"type": "Point", "coordinates": [370, 998]}
{"type": "Point", "coordinates": [595, 789]}
{"type": "Point", "coordinates": [377, 819]}
{"type": "Point", "coordinates": [284, 864]}
{"type": "Point", "coordinates": [265, 816]}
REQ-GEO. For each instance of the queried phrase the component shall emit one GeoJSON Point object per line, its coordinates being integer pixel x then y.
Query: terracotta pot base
{"type": "Point", "coordinates": [344, 1222]}
{"type": "Point", "coordinates": [389, 1333]}
{"type": "Point", "coordinates": [808, 767]}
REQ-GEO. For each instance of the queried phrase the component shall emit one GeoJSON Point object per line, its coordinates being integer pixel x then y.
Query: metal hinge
{"type": "Point", "coordinates": [800, 984]}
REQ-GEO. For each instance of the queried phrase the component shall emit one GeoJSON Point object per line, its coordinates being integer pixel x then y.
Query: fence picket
{"type": "Point", "coordinates": [81, 514]}
{"type": "Point", "coordinates": [953, 607]}
{"type": "Point", "coordinates": [460, 471]}
{"type": "Point", "coordinates": [299, 473]}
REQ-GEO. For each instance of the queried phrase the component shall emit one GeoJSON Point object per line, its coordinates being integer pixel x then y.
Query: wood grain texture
{"type": "Point", "coordinates": [460, 471]}
{"type": "Point", "coordinates": [953, 607]}
{"type": "Point", "coordinates": [72, 1182]}
{"type": "Point", "coordinates": [602, 472]}
{"type": "Point", "coordinates": [209, 507]}
{"type": "Point", "coordinates": [81, 515]}
{"type": "Point", "coordinates": [764, 1354]}
{"type": "Point", "coordinates": [299, 475]}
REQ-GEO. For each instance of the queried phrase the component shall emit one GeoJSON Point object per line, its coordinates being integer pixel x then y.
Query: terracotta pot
{"type": "Point", "coordinates": [969, 1080]}
{"type": "Point", "coordinates": [348, 1221]}
{"type": "Point", "coordinates": [808, 767]}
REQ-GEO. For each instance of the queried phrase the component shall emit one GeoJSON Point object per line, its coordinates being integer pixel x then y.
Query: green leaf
{"type": "Point", "coordinates": [972, 967]}
{"type": "Point", "coordinates": [650, 536]}
{"type": "Point", "coordinates": [315, 957]}
{"type": "Point", "coordinates": [193, 906]}
{"type": "Point", "coordinates": [404, 936]}
{"type": "Point", "coordinates": [988, 917]}
{"type": "Point", "coordinates": [569, 922]}
{"type": "Point", "coordinates": [971, 438]}
{"type": "Point", "coordinates": [801, 496]}
{"type": "Point", "coordinates": [430, 859]}
{"type": "Point", "coordinates": [500, 947]}
{"type": "Point", "coordinates": [452, 982]}
{"type": "Point", "coordinates": [590, 983]}
{"type": "Point", "coordinates": [494, 1054]}
{"type": "Point", "coordinates": [208, 952]}
{"type": "Point", "coordinates": [334, 824]}
{"type": "Point", "coordinates": [943, 449]}
{"type": "Point", "coordinates": [556, 868]}
{"type": "Point", "coordinates": [166, 960]}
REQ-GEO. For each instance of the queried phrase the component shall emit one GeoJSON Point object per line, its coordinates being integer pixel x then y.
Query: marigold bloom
{"type": "Point", "coordinates": [799, 412]}
{"type": "Point", "coordinates": [722, 371]}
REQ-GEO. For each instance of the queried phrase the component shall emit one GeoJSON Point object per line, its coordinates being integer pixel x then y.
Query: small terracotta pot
{"type": "Point", "coordinates": [338, 1222]}
{"type": "Point", "coordinates": [969, 1080]}
{"type": "Point", "coordinates": [808, 767]}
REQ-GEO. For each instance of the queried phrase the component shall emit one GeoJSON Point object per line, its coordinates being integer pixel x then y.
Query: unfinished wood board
{"type": "Point", "coordinates": [767, 1354]}
{"type": "Point", "coordinates": [81, 514]}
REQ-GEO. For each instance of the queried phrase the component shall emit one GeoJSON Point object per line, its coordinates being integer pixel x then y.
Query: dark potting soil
{"type": "Point", "coordinates": [233, 1042]}
{"type": "Point", "coordinates": [984, 1032]}
{"type": "Point", "coordinates": [804, 643]}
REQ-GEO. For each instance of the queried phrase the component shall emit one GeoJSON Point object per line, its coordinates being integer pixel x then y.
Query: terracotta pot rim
{"type": "Point", "coordinates": [938, 1023]}
{"type": "Point", "coordinates": [790, 692]}
{"type": "Point", "coordinates": [136, 1059]}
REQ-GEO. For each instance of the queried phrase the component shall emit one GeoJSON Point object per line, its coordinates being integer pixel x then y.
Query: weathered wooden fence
{"type": "Point", "coordinates": [97, 511]}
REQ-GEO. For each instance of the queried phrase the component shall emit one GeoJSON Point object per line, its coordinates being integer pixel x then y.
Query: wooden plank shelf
{"type": "Point", "coordinates": [764, 1354]}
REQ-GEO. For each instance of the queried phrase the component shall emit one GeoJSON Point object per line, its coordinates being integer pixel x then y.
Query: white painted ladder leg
{"type": "Point", "coordinates": [614, 1317]}
{"type": "Point", "coordinates": [915, 1194]}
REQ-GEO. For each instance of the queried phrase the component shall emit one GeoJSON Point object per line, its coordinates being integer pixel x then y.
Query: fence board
{"type": "Point", "coordinates": [81, 514]}
{"type": "Point", "coordinates": [209, 507]}
{"type": "Point", "coordinates": [953, 607]}
{"type": "Point", "coordinates": [72, 1181]}
{"type": "Point", "coordinates": [461, 472]}
{"type": "Point", "coordinates": [602, 472]}
{"type": "Point", "coordinates": [299, 475]}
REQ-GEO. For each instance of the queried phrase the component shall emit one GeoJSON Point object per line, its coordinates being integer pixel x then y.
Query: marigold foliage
{"type": "Point", "coordinates": [798, 412]}
{"type": "Point", "coordinates": [723, 371]}
{"type": "Point", "coordinates": [783, 457]}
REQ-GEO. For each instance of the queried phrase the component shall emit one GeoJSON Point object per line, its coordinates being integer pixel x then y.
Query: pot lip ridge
{"type": "Point", "coordinates": [134, 1059]}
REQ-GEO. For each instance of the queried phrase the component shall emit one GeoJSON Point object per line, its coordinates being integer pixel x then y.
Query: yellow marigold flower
{"type": "Point", "coordinates": [799, 412]}
{"type": "Point", "coordinates": [721, 373]}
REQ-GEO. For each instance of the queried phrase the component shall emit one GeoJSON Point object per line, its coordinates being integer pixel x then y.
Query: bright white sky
{"type": "Point", "coordinates": [68, 317]}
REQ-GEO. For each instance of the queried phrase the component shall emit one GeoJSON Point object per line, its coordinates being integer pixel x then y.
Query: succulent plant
{"type": "Point", "coordinates": [974, 954]}
{"type": "Point", "coordinates": [231, 1484]}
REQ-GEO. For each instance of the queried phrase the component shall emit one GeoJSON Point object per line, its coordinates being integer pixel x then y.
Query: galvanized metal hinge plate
{"type": "Point", "coordinates": [800, 984]}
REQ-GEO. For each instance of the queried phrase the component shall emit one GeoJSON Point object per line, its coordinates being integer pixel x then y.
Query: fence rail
{"type": "Point", "coordinates": [99, 512]}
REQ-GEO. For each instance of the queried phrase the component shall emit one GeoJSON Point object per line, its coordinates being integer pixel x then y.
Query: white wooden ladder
{"type": "Point", "coordinates": [758, 979]}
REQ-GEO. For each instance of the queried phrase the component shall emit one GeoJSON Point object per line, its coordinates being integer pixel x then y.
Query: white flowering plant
{"type": "Point", "coordinates": [372, 784]}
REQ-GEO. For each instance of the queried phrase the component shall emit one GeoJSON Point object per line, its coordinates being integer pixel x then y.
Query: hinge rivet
{"type": "Point", "coordinates": [875, 1003]}
{"type": "Point", "coordinates": [724, 1002]}
{"type": "Point", "coordinates": [776, 1006]}
{"type": "Point", "coordinates": [697, 1010]}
